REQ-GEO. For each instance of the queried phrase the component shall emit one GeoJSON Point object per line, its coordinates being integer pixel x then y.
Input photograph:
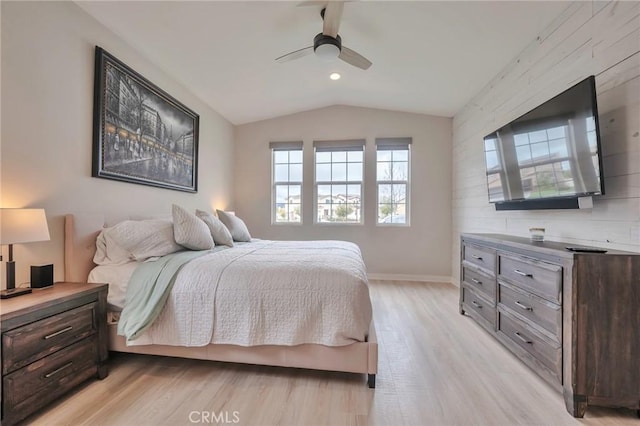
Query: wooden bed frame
{"type": "Point", "coordinates": [361, 357]}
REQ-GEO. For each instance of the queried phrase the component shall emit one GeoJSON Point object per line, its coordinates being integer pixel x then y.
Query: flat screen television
{"type": "Point", "coordinates": [549, 157]}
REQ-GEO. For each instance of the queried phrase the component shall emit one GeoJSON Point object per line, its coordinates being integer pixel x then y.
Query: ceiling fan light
{"type": "Point", "coordinates": [334, 76]}
{"type": "Point", "coordinates": [327, 51]}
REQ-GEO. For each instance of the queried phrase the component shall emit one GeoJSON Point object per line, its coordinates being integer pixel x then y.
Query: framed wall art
{"type": "Point", "coordinates": [141, 133]}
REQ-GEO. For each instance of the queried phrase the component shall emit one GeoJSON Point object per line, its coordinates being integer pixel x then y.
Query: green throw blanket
{"type": "Point", "coordinates": [148, 291]}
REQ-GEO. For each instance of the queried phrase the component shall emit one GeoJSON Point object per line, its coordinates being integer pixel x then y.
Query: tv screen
{"type": "Point", "coordinates": [551, 152]}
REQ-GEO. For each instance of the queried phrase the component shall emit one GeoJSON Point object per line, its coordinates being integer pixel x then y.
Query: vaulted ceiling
{"type": "Point", "coordinates": [428, 57]}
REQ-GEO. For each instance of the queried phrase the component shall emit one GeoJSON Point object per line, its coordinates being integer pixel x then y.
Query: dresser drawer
{"type": "Point", "coordinates": [479, 306]}
{"type": "Point", "coordinates": [539, 311]}
{"type": "Point", "coordinates": [43, 381]}
{"type": "Point", "coordinates": [480, 282]}
{"type": "Point", "coordinates": [480, 256]}
{"type": "Point", "coordinates": [540, 278]}
{"type": "Point", "coordinates": [546, 352]}
{"type": "Point", "coordinates": [21, 346]}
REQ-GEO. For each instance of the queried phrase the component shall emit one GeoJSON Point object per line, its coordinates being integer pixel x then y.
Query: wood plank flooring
{"type": "Point", "coordinates": [436, 367]}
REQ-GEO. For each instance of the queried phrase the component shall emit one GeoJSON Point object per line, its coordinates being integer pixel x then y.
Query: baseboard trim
{"type": "Point", "coordinates": [408, 277]}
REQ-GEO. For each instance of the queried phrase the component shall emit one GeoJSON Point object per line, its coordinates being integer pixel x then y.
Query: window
{"type": "Point", "coordinates": [392, 177]}
{"type": "Point", "coordinates": [339, 173]}
{"type": "Point", "coordinates": [287, 182]}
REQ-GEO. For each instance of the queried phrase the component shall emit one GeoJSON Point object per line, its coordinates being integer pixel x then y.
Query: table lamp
{"type": "Point", "coordinates": [20, 226]}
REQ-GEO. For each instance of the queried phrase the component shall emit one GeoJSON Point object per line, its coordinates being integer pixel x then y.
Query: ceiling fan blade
{"type": "Point", "coordinates": [354, 58]}
{"type": "Point", "coordinates": [295, 54]}
{"type": "Point", "coordinates": [332, 16]}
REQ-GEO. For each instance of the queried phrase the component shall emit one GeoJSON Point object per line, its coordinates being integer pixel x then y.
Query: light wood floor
{"type": "Point", "coordinates": [436, 367]}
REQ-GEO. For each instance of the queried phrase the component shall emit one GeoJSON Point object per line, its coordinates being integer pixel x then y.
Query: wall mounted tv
{"type": "Point", "coordinates": [550, 157]}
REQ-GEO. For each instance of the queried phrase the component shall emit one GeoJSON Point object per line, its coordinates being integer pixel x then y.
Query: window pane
{"type": "Point", "coordinates": [400, 155]}
{"type": "Point", "coordinates": [295, 173]}
{"type": "Point", "coordinates": [281, 173]}
{"type": "Point", "coordinates": [492, 159]}
{"type": "Point", "coordinates": [539, 136]}
{"type": "Point", "coordinates": [523, 153]}
{"type": "Point", "coordinates": [354, 172]}
{"type": "Point", "coordinates": [384, 213]}
{"type": "Point", "coordinates": [295, 156]}
{"type": "Point", "coordinates": [384, 193]}
{"type": "Point", "coordinates": [339, 156]}
{"type": "Point", "coordinates": [339, 193]}
{"type": "Point", "coordinates": [323, 157]}
{"type": "Point", "coordinates": [323, 172]}
{"type": "Point", "coordinates": [282, 193]}
{"type": "Point", "coordinates": [521, 139]}
{"type": "Point", "coordinates": [281, 156]}
{"type": "Point", "coordinates": [294, 191]}
{"type": "Point", "coordinates": [353, 192]}
{"type": "Point", "coordinates": [339, 172]}
{"type": "Point", "coordinates": [384, 155]}
{"type": "Point", "coordinates": [558, 148]}
{"type": "Point", "coordinates": [400, 171]}
{"type": "Point", "coordinates": [324, 191]}
{"type": "Point", "coordinates": [556, 132]}
{"type": "Point", "coordinates": [399, 193]}
{"type": "Point", "coordinates": [384, 171]}
{"type": "Point", "coordinates": [294, 212]}
{"type": "Point", "coordinates": [354, 156]}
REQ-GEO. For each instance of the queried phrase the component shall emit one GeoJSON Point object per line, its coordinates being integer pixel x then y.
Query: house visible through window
{"type": "Point", "coordinates": [339, 175]}
{"type": "Point", "coordinates": [392, 176]}
{"type": "Point", "coordinates": [287, 182]}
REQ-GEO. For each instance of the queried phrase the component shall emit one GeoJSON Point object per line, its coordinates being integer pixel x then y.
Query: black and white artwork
{"type": "Point", "coordinates": [141, 134]}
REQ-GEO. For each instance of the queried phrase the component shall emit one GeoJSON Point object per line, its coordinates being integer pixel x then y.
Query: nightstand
{"type": "Point", "coordinates": [52, 340]}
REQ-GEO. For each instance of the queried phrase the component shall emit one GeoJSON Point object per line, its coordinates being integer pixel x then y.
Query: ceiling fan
{"type": "Point", "coordinates": [328, 44]}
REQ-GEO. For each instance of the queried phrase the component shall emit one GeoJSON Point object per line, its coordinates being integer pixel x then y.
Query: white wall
{"type": "Point", "coordinates": [47, 120]}
{"type": "Point", "coordinates": [420, 251]}
{"type": "Point", "coordinates": [598, 38]}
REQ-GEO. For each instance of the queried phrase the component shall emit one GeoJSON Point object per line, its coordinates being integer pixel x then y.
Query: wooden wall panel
{"type": "Point", "coordinates": [588, 38]}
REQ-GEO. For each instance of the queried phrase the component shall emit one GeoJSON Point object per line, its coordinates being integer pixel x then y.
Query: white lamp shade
{"type": "Point", "coordinates": [23, 226]}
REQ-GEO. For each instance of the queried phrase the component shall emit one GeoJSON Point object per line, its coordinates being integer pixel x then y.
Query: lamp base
{"type": "Point", "coordinates": [14, 292]}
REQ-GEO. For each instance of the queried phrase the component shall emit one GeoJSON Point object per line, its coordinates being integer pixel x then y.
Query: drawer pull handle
{"type": "Point", "coordinates": [476, 304]}
{"type": "Point", "coordinates": [524, 339]}
{"type": "Point", "coordinates": [57, 370]}
{"type": "Point", "coordinates": [475, 256]}
{"type": "Point", "coordinates": [57, 333]}
{"type": "Point", "coordinates": [525, 307]}
{"type": "Point", "coordinates": [476, 281]}
{"type": "Point", "coordinates": [524, 274]}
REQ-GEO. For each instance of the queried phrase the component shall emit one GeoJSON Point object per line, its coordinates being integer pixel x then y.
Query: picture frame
{"type": "Point", "coordinates": [141, 134]}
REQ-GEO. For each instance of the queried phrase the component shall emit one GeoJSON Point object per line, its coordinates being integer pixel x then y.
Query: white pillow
{"type": "Point", "coordinates": [235, 225]}
{"type": "Point", "coordinates": [219, 232]}
{"type": "Point", "coordinates": [189, 231]}
{"type": "Point", "coordinates": [135, 240]}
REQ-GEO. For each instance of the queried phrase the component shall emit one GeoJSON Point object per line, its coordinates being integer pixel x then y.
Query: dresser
{"type": "Point", "coordinates": [573, 317]}
{"type": "Point", "coordinates": [52, 340]}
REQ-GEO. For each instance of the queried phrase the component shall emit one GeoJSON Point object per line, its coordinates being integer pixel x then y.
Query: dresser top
{"type": "Point", "coordinates": [556, 248]}
{"type": "Point", "coordinates": [42, 297]}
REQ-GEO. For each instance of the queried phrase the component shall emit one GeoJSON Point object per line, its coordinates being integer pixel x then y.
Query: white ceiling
{"type": "Point", "coordinates": [428, 57]}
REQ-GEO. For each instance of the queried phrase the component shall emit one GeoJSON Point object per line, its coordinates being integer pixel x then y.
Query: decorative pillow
{"type": "Point", "coordinates": [189, 231]}
{"type": "Point", "coordinates": [219, 232]}
{"type": "Point", "coordinates": [235, 225]}
{"type": "Point", "coordinates": [135, 240]}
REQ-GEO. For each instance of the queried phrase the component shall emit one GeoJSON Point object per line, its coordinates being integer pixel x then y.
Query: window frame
{"type": "Point", "coordinates": [394, 144]}
{"type": "Point", "coordinates": [346, 146]}
{"type": "Point", "coordinates": [286, 147]}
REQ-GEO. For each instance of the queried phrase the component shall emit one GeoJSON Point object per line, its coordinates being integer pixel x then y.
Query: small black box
{"type": "Point", "coordinates": [41, 276]}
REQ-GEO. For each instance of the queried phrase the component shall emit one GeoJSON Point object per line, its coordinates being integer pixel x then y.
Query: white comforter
{"type": "Point", "coordinates": [268, 293]}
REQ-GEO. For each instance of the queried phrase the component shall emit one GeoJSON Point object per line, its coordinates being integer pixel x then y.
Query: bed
{"type": "Point", "coordinates": [353, 355]}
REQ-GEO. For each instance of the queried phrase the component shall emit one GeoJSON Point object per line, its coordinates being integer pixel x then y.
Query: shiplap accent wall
{"type": "Point", "coordinates": [588, 38]}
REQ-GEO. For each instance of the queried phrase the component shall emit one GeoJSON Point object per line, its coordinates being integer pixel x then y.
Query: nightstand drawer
{"type": "Point", "coordinates": [21, 346]}
{"type": "Point", "coordinates": [43, 381]}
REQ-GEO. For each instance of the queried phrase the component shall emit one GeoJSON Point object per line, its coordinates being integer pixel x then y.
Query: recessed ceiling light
{"type": "Point", "coordinates": [334, 76]}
